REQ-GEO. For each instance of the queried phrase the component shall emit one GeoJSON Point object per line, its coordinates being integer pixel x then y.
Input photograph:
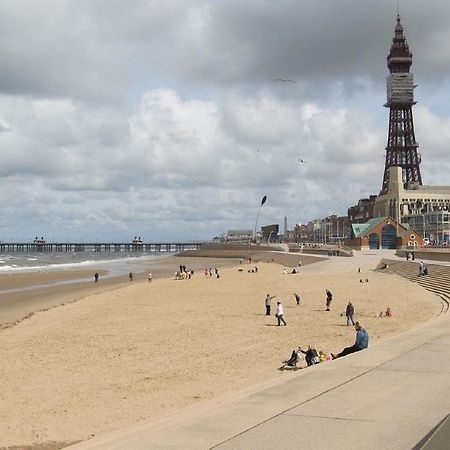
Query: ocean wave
{"type": "Point", "coordinates": [16, 268]}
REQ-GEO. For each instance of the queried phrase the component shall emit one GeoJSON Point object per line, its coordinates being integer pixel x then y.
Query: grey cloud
{"type": "Point", "coordinates": [99, 50]}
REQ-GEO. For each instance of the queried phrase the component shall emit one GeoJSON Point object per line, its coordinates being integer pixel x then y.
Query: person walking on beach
{"type": "Point", "coordinates": [150, 277]}
{"type": "Point", "coordinates": [297, 298]}
{"type": "Point", "coordinates": [130, 276]}
{"type": "Point", "coordinates": [96, 277]}
{"type": "Point", "coordinates": [329, 299]}
{"type": "Point", "coordinates": [349, 312]}
{"type": "Point", "coordinates": [361, 342]}
{"type": "Point", "coordinates": [280, 314]}
{"type": "Point", "coordinates": [268, 303]}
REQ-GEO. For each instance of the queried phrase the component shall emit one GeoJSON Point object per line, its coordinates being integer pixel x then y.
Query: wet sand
{"type": "Point", "coordinates": [134, 353]}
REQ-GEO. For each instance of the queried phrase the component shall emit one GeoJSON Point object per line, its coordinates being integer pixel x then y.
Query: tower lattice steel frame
{"type": "Point", "coordinates": [401, 149]}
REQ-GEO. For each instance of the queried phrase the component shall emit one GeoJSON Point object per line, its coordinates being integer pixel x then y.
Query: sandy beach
{"type": "Point", "coordinates": [119, 356]}
{"type": "Point", "coordinates": [23, 294]}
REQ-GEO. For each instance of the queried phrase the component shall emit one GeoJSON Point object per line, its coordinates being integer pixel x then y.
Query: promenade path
{"type": "Point", "coordinates": [394, 395]}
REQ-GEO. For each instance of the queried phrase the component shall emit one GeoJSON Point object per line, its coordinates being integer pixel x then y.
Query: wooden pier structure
{"type": "Point", "coordinates": [78, 247]}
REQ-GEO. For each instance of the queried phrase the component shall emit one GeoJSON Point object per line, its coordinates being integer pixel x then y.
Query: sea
{"type": "Point", "coordinates": [116, 263]}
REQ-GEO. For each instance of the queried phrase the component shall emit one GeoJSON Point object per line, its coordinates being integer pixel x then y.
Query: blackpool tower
{"type": "Point", "coordinates": [401, 149]}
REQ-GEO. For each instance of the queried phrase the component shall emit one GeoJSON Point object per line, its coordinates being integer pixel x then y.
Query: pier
{"type": "Point", "coordinates": [77, 247]}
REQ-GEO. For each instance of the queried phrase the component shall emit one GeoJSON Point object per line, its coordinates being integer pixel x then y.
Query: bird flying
{"type": "Point", "coordinates": [283, 80]}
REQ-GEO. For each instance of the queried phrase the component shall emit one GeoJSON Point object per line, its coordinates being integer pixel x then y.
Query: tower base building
{"type": "Point", "coordinates": [425, 208]}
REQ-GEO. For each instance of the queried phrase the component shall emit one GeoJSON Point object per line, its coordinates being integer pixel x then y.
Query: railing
{"type": "Point", "coordinates": [58, 247]}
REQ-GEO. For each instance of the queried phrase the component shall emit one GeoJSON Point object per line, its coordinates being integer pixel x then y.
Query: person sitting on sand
{"type": "Point", "coordinates": [388, 312]}
{"type": "Point", "coordinates": [311, 356]}
{"type": "Point", "coordinates": [293, 270]}
{"type": "Point", "coordinates": [361, 342]}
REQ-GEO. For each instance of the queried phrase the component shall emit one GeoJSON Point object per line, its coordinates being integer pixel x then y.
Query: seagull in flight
{"type": "Point", "coordinates": [283, 80]}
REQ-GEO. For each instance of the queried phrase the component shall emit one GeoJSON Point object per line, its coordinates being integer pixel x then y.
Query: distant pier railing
{"type": "Point", "coordinates": [56, 247]}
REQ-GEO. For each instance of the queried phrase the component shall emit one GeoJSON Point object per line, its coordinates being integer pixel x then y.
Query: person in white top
{"type": "Point", "coordinates": [149, 277]}
{"type": "Point", "coordinates": [279, 314]}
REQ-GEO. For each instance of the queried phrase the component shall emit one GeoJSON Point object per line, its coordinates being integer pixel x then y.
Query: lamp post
{"type": "Point", "coordinates": [263, 200]}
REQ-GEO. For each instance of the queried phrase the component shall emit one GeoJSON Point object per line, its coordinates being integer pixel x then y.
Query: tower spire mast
{"type": "Point", "coordinates": [401, 149]}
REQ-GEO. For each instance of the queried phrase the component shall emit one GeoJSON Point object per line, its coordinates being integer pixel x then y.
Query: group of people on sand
{"type": "Point", "coordinates": [312, 356]}
{"type": "Point", "coordinates": [279, 313]}
{"type": "Point", "coordinates": [130, 277]}
{"type": "Point", "coordinates": [212, 273]}
{"type": "Point", "coordinates": [183, 273]}
{"type": "Point", "coordinates": [388, 313]}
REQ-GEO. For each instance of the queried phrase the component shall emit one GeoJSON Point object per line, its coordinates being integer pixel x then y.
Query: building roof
{"type": "Point", "coordinates": [360, 229]}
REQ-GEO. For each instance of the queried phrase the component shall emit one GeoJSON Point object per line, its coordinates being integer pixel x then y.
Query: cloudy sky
{"type": "Point", "coordinates": [162, 118]}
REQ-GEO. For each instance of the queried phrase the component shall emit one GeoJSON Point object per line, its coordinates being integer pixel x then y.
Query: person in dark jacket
{"type": "Point", "coordinates": [349, 312]}
{"type": "Point", "coordinates": [361, 342]}
{"type": "Point", "coordinates": [311, 356]}
{"type": "Point", "coordinates": [329, 299]}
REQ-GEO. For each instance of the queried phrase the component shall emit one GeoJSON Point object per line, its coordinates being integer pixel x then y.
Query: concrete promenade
{"type": "Point", "coordinates": [392, 396]}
